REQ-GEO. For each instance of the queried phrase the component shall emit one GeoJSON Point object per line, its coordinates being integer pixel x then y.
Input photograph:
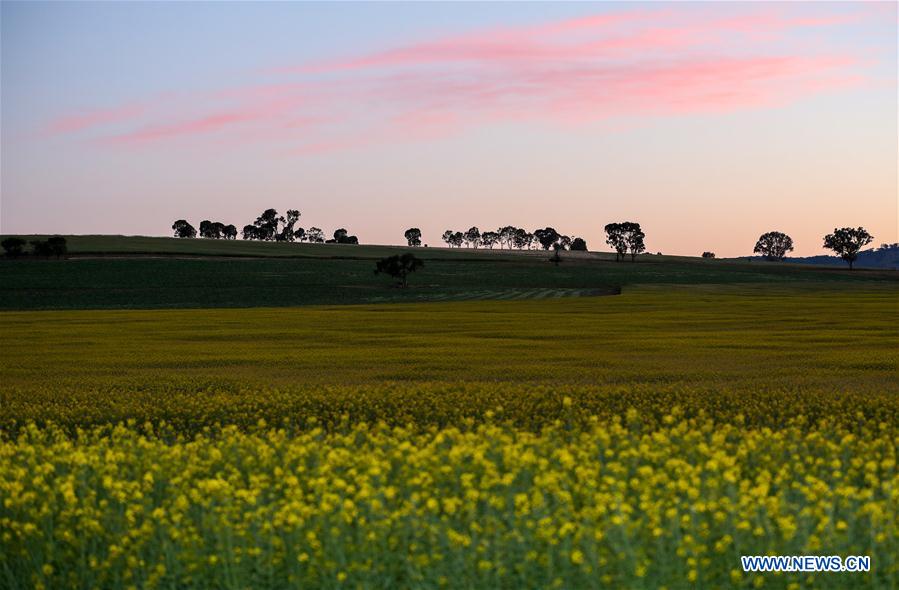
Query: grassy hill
{"type": "Point", "coordinates": [109, 272]}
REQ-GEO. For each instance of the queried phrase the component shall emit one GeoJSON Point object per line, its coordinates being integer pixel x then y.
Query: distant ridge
{"type": "Point", "coordinates": [881, 258]}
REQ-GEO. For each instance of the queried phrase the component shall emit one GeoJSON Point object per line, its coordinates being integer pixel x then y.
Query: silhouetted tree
{"type": "Point", "coordinates": [229, 232]}
{"type": "Point", "coordinates": [341, 237]}
{"type": "Point", "coordinates": [183, 229]}
{"type": "Point", "coordinates": [556, 257]}
{"type": "Point", "coordinates": [773, 245]}
{"type": "Point", "coordinates": [214, 230]}
{"type": "Point", "coordinates": [315, 235]}
{"type": "Point", "coordinates": [847, 241]}
{"type": "Point", "coordinates": [57, 246]}
{"type": "Point", "coordinates": [521, 238]}
{"type": "Point", "coordinates": [13, 247]}
{"type": "Point", "coordinates": [472, 237]}
{"type": "Point", "coordinates": [633, 237]}
{"type": "Point", "coordinates": [287, 233]}
{"type": "Point", "coordinates": [530, 239]}
{"type": "Point", "coordinates": [448, 237]}
{"type": "Point", "coordinates": [615, 239]}
{"type": "Point", "coordinates": [413, 236]}
{"type": "Point", "coordinates": [457, 239]}
{"type": "Point", "coordinates": [547, 237]}
{"type": "Point", "coordinates": [579, 244]}
{"type": "Point", "coordinates": [266, 225]}
{"type": "Point", "coordinates": [299, 234]}
{"type": "Point", "coordinates": [708, 254]}
{"type": "Point", "coordinates": [507, 235]}
{"type": "Point", "coordinates": [565, 242]}
{"type": "Point", "coordinates": [250, 232]}
{"type": "Point", "coordinates": [41, 248]}
{"type": "Point", "coordinates": [625, 236]}
{"type": "Point", "coordinates": [489, 238]}
{"type": "Point", "coordinates": [399, 266]}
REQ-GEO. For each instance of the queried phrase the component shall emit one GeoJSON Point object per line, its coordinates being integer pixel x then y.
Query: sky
{"type": "Point", "coordinates": [708, 123]}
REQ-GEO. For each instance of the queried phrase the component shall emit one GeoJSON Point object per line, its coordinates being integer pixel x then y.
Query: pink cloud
{"type": "Point", "coordinates": [206, 124]}
{"type": "Point", "coordinates": [585, 37]}
{"type": "Point", "coordinates": [85, 120]}
{"type": "Point", "coordinates": [632, 62]}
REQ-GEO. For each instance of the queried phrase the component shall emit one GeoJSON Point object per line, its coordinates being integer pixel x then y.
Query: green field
{"type": "Point", "coordinates": [226, 437]}
{"type": "Point", "coordinates": [218, 273]}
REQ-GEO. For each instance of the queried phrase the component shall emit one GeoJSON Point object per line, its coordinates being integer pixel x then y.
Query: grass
{"type": "Point", "coordinates": [328, 274]}
{"type": "Point", "coordinates": [110, 245]}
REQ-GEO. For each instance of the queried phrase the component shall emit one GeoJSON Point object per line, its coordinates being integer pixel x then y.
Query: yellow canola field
{"type": "Point", "coordinates": [607, 503]}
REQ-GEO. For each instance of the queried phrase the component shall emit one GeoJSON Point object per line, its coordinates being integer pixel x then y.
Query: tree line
{"type": "Point", "coordinates": [268, 227]}
{"type": "Point", "coordinates": [14, 247]}
{"type": "Point", "coordinates": [506, 237]}
{"type": "Point", "coordinates": [625, 238]}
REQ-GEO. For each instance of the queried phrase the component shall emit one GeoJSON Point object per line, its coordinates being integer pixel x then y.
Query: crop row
{"type": "Point", "coordinates": [187, 407]}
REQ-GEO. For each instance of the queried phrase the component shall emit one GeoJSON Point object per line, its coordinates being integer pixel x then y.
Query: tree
{"type": "Point", "coordinates": [267, 225]}
{"type": "Point", "coordinates": [215, 230]}
{"type": "Point", "coordinates": [413, 236]}
{"type": "Point", "coordinates": [287, 233]}
{"type": "Point", "coordinates": [556, 258]}
{"type": "Point", "coordinates": [250, 232]}
{"type": "Point", "coordinates": [229, 232]}
{"type": "Point", "coordinates": [633, 237]}
{"type": "Point", "coordinates": [315, 235]}
{"type": "Point", "coordinates": [457, 238]}
{"type": "Point", "coordinates": [708, 254]}
{"type": "Point", "coordinates": [448, 237]}
{"type": "Point", "coordinates": [299, 234]}
{"type": "Point", "coordinates": [13, 247]}
{"type": "Point", "coordinates": [489, 238]}
{"type": "Point", "coordinates": [547, 237]}
{"type": "Point", "coordinates": [773, 245]}
{"type": "Point", "coordinates": [57, 246]}
{"type": "Point", "coordinates": [507, 235]}
{"type": "Point", "coordinates": [183, 229]}
{"type": "Point", "coordinates": [847, 241]}
{"type": "Point", "coordinates": [341, 237]}
{"type": "Point", "coordinates": [521, 238]}
{"type": "Point", "coordinates": [399, 266]}
{"type": "Point", "coordinates": [565, 242]}
{"type": "Point", "coordinates": [529, 238]}
{"type": "Point", "coordinates": [579, 244]}
{"type": "Point", "coordinates": [41, 248]}
{"type": "Point", "coordinates": [625, 236]}
{"type": "Point", "coordinates": [615, 239]}
{"type": "Point", "coordinates": [472, 237]}
{"type": "Point", "coordinates": [218, 230]}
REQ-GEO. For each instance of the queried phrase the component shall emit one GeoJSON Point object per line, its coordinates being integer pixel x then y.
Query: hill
{"type": "Point", "coordinates": [886, 258]}
{"type": "Point", "coordinates": [110, 272]}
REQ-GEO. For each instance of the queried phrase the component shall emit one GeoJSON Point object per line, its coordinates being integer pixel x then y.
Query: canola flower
{"type": "Point", "coordinates": [190, 406]}
{"type": "Point", "coordinates": [623, 501]}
